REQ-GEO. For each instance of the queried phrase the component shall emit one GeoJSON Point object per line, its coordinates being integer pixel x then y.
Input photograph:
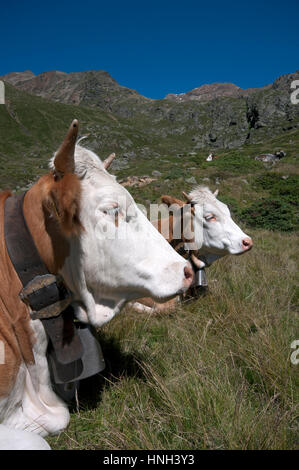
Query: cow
{"type": "Point", "coordinates": [270, 157]}
{"type": "Point", "coordinates": [211, 157]}
{"type": "Point", "coordinates": [213, 233]}
{"type": "Point", "coordinates": [87, 229]}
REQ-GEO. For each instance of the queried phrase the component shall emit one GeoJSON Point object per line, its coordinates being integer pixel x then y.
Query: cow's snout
{"type": "Point", "coordinates": [188, 272]}
{"type": "Point", "coordinates": [247, 244]}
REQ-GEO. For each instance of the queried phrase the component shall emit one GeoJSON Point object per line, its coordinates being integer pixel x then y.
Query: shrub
{"type": "Point", "coordinates": [271, 214]}
{"type": "Point", "coordinates": [235, 163]}
{"type": "Point", "coordinates": [286, 188]}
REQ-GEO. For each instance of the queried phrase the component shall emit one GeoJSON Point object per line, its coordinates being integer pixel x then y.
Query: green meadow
{"type": "Point", "coordinates": [217, 372]}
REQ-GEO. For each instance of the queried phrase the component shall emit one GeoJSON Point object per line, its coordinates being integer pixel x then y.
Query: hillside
{"type": "Point", "coordinates": [209, 117]}
{"type": "Point", "coordinates": [92, 88]}
{"type": "Point", "coordinates": [171, 138]}
{"type": "Point", "coordinates": [216, 373]}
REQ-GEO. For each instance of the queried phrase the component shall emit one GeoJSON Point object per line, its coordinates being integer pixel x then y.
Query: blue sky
{"type": "Point", "coordinates": [155, 47]}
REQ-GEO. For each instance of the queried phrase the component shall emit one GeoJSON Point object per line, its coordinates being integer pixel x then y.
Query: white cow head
{"type": "Point", "coordinates": [215, 232]}
{"type": "Point", "coordinates": [119, 255]}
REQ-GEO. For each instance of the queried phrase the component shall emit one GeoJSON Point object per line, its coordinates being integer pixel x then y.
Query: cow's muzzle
{"type": "Point", "coordinates": [247, 244]}
{"type": "Point", "coordinates": [189, 274]}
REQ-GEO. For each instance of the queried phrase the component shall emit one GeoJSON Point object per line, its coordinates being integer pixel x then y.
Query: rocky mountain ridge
{"type": "Point", "coordinates": [211, 116]}
{"type": "Point", "coordinates": [211, 91]}
{"type": "Point", "coordinates": [90, 88]}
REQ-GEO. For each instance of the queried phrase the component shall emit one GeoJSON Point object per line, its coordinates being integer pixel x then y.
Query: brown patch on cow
{"type": "Point", "coordinates": [173, 220]}
{"type": "Point", "coordinates": [170, 200]}
{"type": "Point", "coordinates": [176, 243]}
{"type": "Point", "coordinates": [165, 307]}
{"type": "Point", "coordinates": [62, 200]}
{"type": "Point", "coordinates": [15, 331]}
{"type": "Point", "coordinates": [52, 213]}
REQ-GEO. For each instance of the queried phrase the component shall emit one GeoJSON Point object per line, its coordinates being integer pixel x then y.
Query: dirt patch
{"type": "Point", "coordinates": [137, 181]}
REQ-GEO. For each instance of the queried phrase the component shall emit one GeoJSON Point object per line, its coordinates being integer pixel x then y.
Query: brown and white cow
{"type": "Point", "coordinates": [88, 228]}
{"type": "Point", "coordinates": [204, 224]}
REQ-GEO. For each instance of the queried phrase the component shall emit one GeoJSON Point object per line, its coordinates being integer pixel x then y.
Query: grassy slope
{"type": "Point", "coordinates": [31, 130]}
{"type": "Point", "coordinates": [217, 372]}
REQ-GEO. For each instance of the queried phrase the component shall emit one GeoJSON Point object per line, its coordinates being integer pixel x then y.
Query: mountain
{"type": "Point", "coordinates": [95, 88]}
{"type": "Point", "coordinates": [212, 91]}
{"type": "Point", "coordinates": [214, 117]}
{"type": "Point", "coordinates": [15, 78]}
{"type": "Point", "coordinates": [163, 144]}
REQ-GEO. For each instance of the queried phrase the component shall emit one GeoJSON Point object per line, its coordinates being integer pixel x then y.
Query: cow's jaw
{"type": "Point", "coordinates": [98, 313]}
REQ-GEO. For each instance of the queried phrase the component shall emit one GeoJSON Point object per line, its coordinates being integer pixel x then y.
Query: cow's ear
{"type": "Point", "coordinates": [64, 161]}
{"type": "Point", "coordinates": [170, 200]}
{"type": "Point", "coordinates": [107, 162]}
{"type": "Point", "coordinates": [63, 203]}
{"type": "Point", "coordinates": [216, 192]}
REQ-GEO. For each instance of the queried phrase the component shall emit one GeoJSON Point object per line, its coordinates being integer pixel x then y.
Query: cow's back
{"type": "Point", "coordinates": [15, 332]}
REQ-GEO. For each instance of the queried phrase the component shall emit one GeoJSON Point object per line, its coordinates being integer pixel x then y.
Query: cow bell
{"type": "Point", "coordinates": [66, 377]}
{"type": "Point", "coordinates": [200, 278]}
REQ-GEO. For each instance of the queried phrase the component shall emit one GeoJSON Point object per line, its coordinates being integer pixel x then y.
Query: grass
{"type": "Point", "coordinates": [216, 374]}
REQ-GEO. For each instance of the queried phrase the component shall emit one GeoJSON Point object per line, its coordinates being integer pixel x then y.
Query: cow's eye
{"type": "Point", "coordinates": [112, 211]}
{"type": "Point", "coordinates": [210, 217]}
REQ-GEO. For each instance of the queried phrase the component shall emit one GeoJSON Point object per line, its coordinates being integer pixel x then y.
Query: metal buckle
{"type": "Point", "coordinates": [46, 295]}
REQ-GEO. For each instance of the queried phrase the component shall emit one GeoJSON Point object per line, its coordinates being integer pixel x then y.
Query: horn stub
{"type": "Point", "coordinates": [107, 162]}
{"type": "Point", "coordinates": [186, 196]}
{"type": "Point", "coordinates": [64, 159]}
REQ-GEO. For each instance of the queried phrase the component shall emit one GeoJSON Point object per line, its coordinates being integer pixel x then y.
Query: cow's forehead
{"type": "Point", "coordinates": [87, 165]}
{"type": "Point", "coordinates": [220, 207]}
{"type": "Point", "coordinates": [201, 194]}
{"type": "Point", "coordinates": [215, 206]}
{"type": "Point", "coordinates": [104, 191]}
{"type": "Point", "coordinates": [104, 186]}
{"type": "Point", "coordinates": [206, 199]}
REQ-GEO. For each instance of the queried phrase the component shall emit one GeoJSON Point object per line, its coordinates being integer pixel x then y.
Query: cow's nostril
{"type": "Point", "coordinates": [247, 243]}
{"type": "Point", "coordinates": [188, 272]}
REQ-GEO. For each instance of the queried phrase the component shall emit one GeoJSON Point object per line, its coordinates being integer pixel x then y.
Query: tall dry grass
{"type": "Point", "coordinates": [216, 374]}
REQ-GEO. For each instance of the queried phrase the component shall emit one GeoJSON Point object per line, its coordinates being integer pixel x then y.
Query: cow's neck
{"type": "Point", "coordinates": [208, 258]}
{"type": "Point", "coordinates": [52, 246]}
{"type": "Point", "coordinates": [179, 243]}
{"type": "Point", "coordinates": [169, 222]}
